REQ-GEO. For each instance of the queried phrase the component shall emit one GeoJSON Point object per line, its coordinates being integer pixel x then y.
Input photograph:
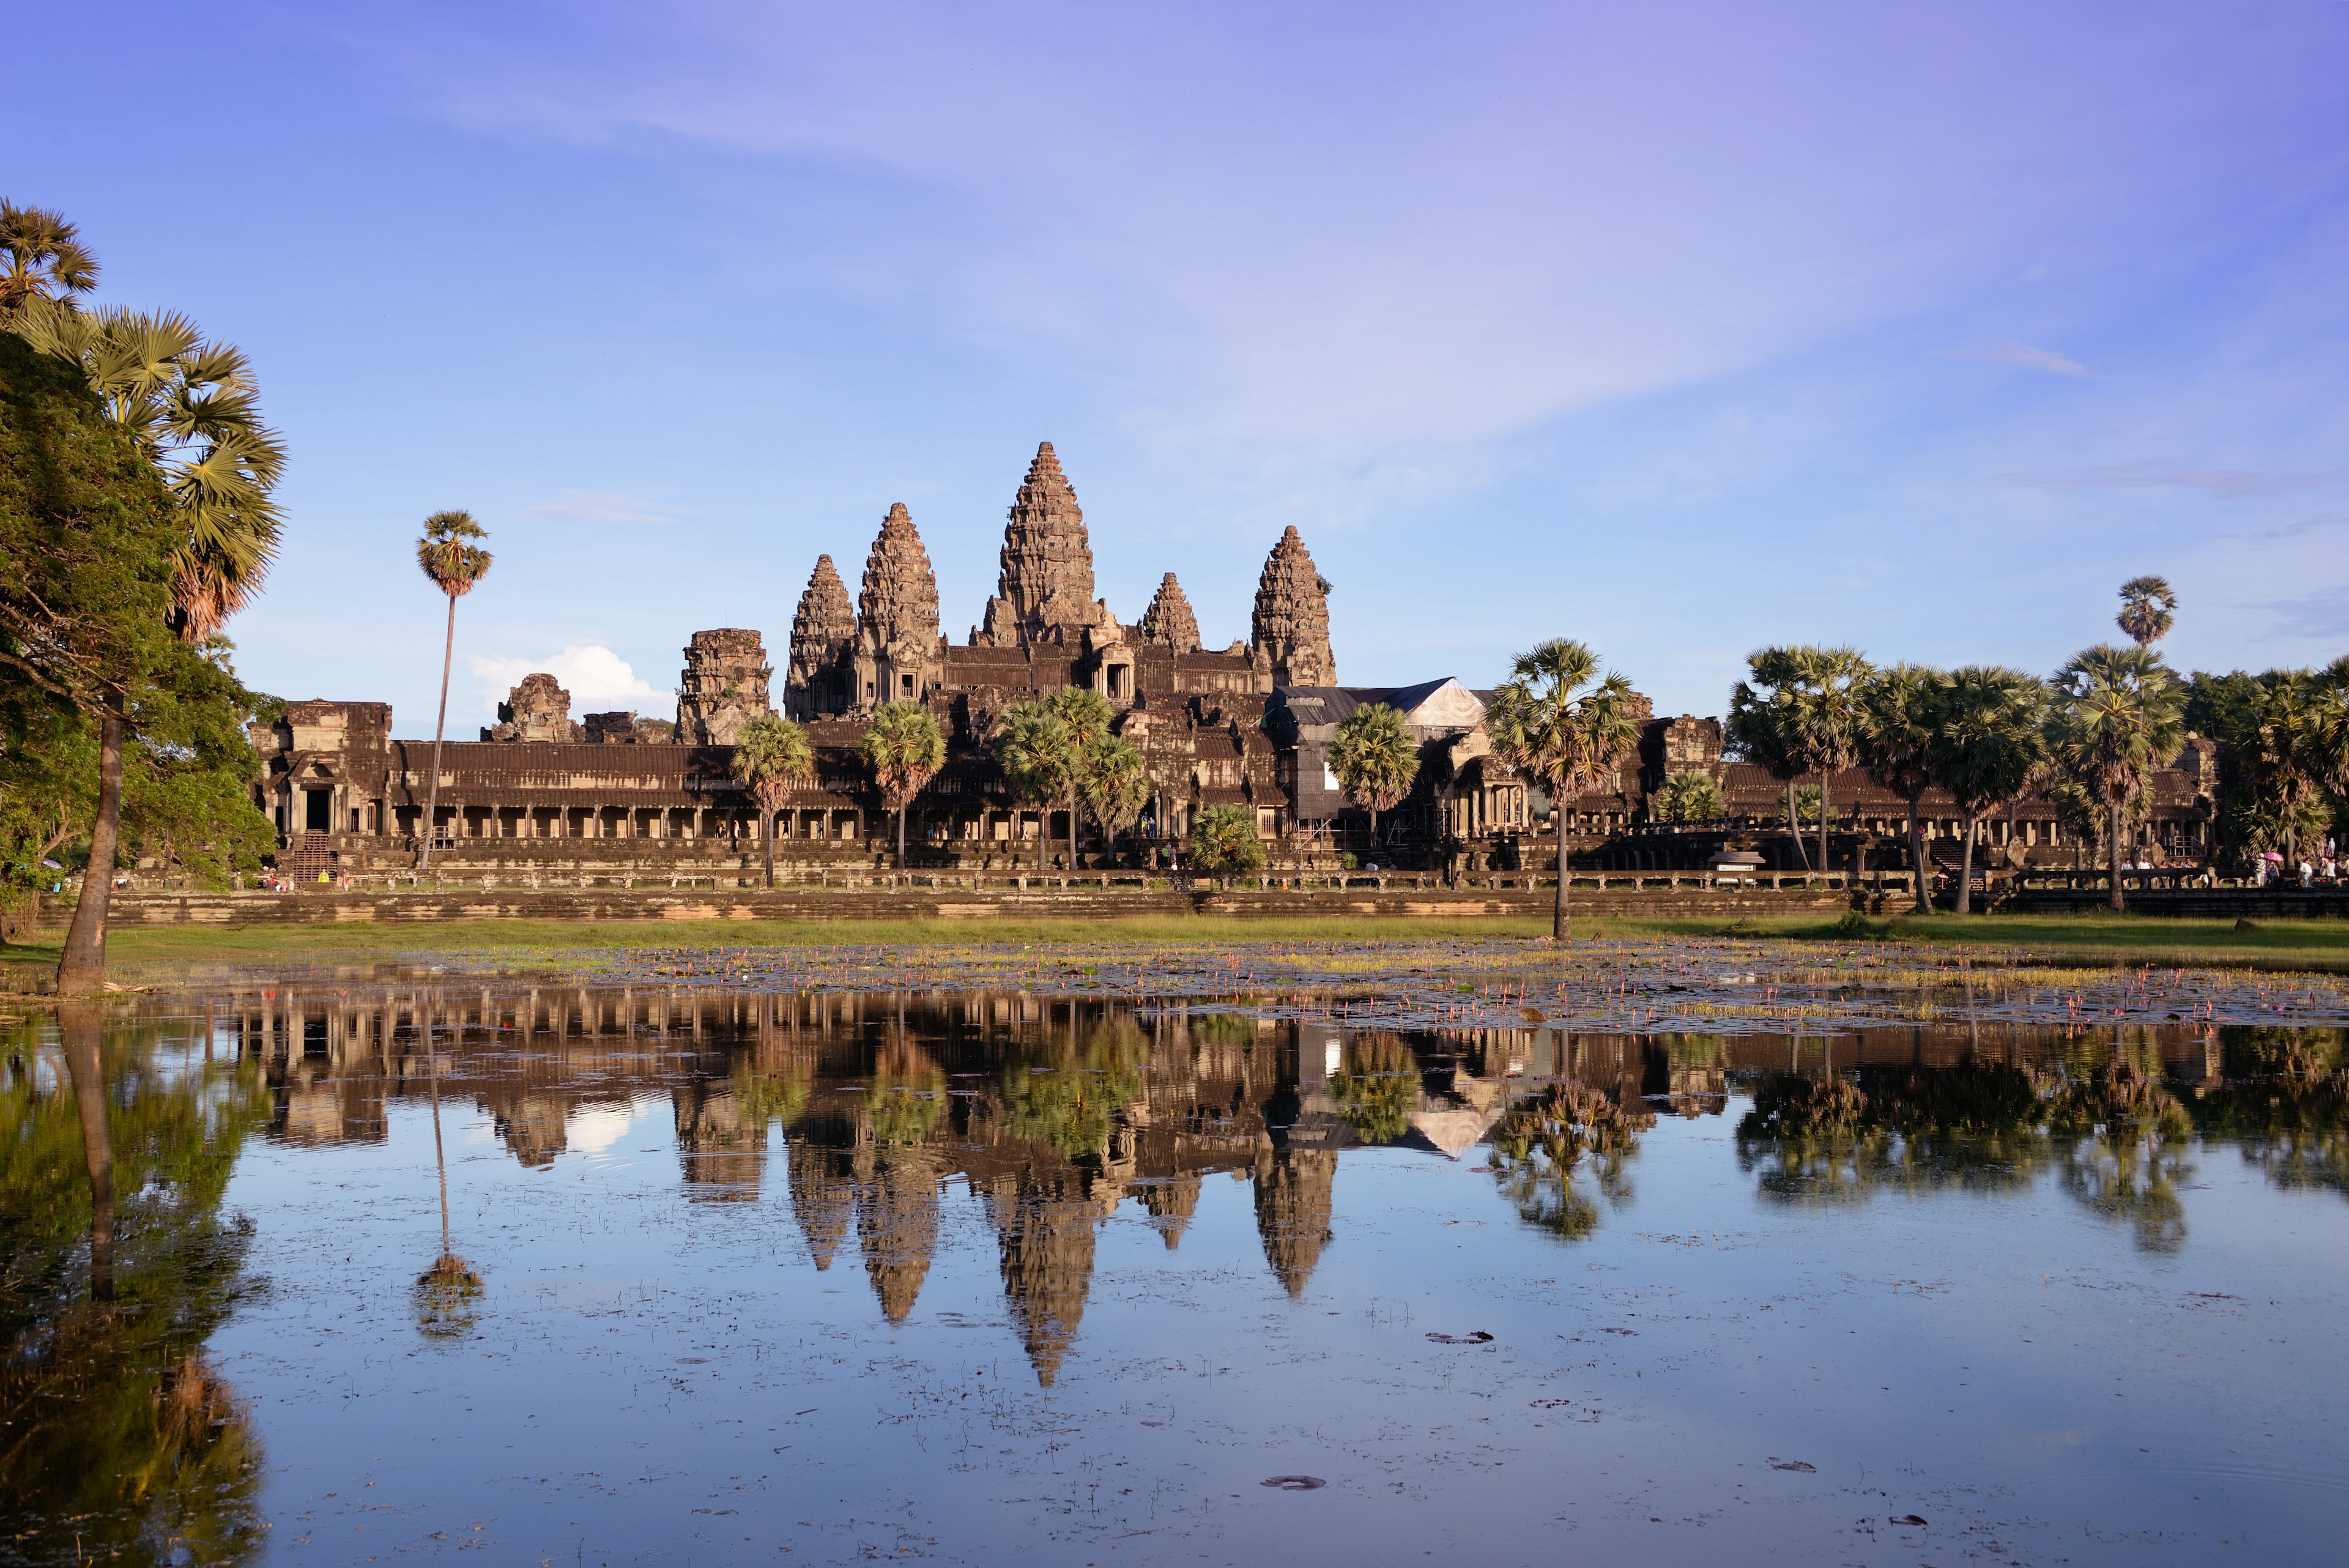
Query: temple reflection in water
{"type": "Point", "coordinates": [1050, 1112]}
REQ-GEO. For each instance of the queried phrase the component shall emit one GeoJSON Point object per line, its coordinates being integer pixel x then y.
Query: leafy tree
{"type": "Point", "coordinates": [1989, 744]}
{"type": "Point", "coordinates": [1375, 759]}
{"type": "Point", "coordinates": [1691, 796]}
{"type": "Point", "coordinates": [1224, 841]}
{"type": "Point", "coordinates": [1559, 720]}
{"type": "Point", "coordinates": [2147, 604]}
{"type": "Point", "coordinates": [2226, 707]}
{"type": "Point", "coordinates": [194, 410]}
{"type": "Point", "coordinates": [454, 563]}
{"type": "Point", "coordinates": [904, 748]}
{"type": "Point", "coordinates": [1085, 716]}
{"type": "Point", "coordinates": [41, 258]}
{"type": "Point", "coordinates": [2281, 762]}
{"type": "Point", "coordinates": [1376, 1088]}
{"type": "Point", "coordinates": [1896, 747]}
{"type": "Point", "coordinates": [1765, 729]}
{"type": "Point", "coordinates": [772, 756]}
{"type": "Point", "coordinates": [1041, 761]}
{"type": "Point", "coordinates": [2118, 717]}
{"type": "Point", "coordinates": [1116, 783]}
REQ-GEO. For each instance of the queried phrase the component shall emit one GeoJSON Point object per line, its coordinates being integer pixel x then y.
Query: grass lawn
{"type": "Point", "coordinates": [2123, 939]}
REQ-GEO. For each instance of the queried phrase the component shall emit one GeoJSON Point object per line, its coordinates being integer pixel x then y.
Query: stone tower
{"type": "Point", "coordinates": [1169, 620]}
{"type": "Point", "coordinates": [723, 688]}
{"type": "Point", "coordinates": [896, 657]}
{"type": "Point", "coordinates": [821, 634]}
{"type": "Point", "coordinates": [1289, 633]}
{"type": "Point", "coordinates": [1047, 582]}
{"type": "Point", "coordinates": [537, 710]}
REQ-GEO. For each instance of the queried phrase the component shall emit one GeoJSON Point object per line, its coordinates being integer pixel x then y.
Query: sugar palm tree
{"type": "Point", "coordinates": [1691, 796]}
{"type": "Point", "coordinates": [41, 258]}
{"type": "Point", "coordinates": [2119, 715]}
{"type": "Point", "coordinates": [1039, 762]}
{"type": "Point", "coordinates": [1765, 729]}
{"type": "Point", "coordinates": [1085, 715]}
{"type": "Point", "coordinates": [2327, 734]}
{"type": "Point", "coordinates": [2284, 760]}
{"type": "Point", "coordinates": [1897, 749]}
{"type": "Point", "coordinates": [1557, 718]}
{"type": "Point", "coordinates": [1827, 685]}
{"type": "Point", "coordinates": [1989, 742]}
{"type": "Point", "coordinates": [1116, 784]}
{"type": "Point", "coordinates": [904, 748]}
{"type": "Point", "coordinates": [1375, 759]}
{"type": "Point", "coordinates": [2147, 605]}
{"type": "Point", "coordinates": [193, 408]}
{"type": "Point", "coordinates": [454, 563]}
{"type": "Point", "coordinates": [772, 757]}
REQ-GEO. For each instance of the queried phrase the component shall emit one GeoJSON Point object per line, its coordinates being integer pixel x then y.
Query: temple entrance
{"type": "Point", "coordinates": [317, 807]}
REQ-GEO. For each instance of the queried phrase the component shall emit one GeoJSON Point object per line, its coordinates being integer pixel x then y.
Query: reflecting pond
{"type": "Point", "coordinates": [343, 1271]}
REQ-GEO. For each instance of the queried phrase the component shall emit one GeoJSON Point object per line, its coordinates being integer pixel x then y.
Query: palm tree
{"type": "Point", "coordinates": [1558, 718]}
{"type": "Point", "coordinates": [1375, 759]}
{"type": "Point", "coordinates": [1032, 745]}
{"type": "Point", "coordinates": [455, 564]}
{"type": "Point", "coordinates": [1691, 796]}
{"type": "Point", "coordinates": [193, 408]}
{"type": "Point", "coordinates": [1116, 784]}
{"type": "Point", "coordinates": [772, 756]}
{"type": "Point", "coordinates": [445, 1290]}
{"type": "Point", "coordinates": [2283, 760]}
{"type": "Point", "coordinates": [906, 748]}
{"type": "Point", "coordinates": [1827, 685]}
{"type": "Point", "coordinates": [2326, 738]}
{"type": "Point", "coordinates": [1085, 715]}
{"type": "Point", "coordinates": [1765, 729]}
{"type": "Point", "coordinates": [41, 258]}
{"type": "Point", "coordinates": [1897, 749]}
{"type": "Point", "coordinates": [2119, 715]}
{"type": "Point", "coordinates": [1989, 742]}
{"type": "Point", "coordinates": [2145, 606]}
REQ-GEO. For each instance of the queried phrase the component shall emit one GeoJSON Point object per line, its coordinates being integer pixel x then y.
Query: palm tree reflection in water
{"type": "Point", "coordinates": [446, 1291]}
{"type": "Point", "coordinates": [1538, 1144]}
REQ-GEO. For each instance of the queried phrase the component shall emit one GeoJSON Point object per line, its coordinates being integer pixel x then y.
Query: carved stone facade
{"type": "Point", "coordinates": [1290, 628]}
{"type": "Point", "coordinates": [1046, 591]}
{"type": "Point", "coordinates": [1168, 621]}
{"type": "Point", "coordinates": [723, 687]}
{"type": "Point", "coordinates": [894, 656]}
{"type": "Point", "coordinates": [822, 632]}
{"type": "Point", "coordinates": [537, 710]}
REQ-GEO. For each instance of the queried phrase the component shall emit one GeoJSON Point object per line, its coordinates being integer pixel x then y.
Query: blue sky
{"type": "Point", "coordinates": [1678, 328]}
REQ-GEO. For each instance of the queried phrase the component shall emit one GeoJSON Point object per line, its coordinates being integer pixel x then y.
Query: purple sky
{"type": "Point", "coordinates": [1678, 328]}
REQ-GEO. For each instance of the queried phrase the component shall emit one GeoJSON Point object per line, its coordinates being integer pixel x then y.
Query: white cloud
{"type": "Point", "coordinates": [2024, 357]}
{"type": "Point", "coordinates": [598, 680]}
{"type": "Point", "coordinates": [599, 506]}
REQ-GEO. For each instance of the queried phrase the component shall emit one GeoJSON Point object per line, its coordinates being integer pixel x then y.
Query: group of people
{"type": "Point", "coordinates": [2314, 867]}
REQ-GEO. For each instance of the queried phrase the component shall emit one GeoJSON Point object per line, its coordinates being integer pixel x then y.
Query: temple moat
{"type": "Point", "coordinates": [739, 1270]}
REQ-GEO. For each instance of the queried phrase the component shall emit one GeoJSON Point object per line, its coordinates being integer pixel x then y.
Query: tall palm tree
{"type": "Point", "coordinates": [1085, 715]}
{"type": "Point", "coordinates": [1375, 759]}
{"type": "Point", "coordinates": [906, 748]}
{"type": "Point", "coordinates": [772, 756]}
{"type": "Point", "coordinates": [1557, 718]}
{"type": "Point", "coordinates": [1897, 749]}
{"type": "Point", "coordinates": [1827, 685]}
{"type": "Point", "coordinates": [2147, 604]}
{"type": "Point", "coordinates": [2327, 734]}
{"type": "Point", "coordinates": [454, 563]}
{"type": "Point", "coordinates": [41, 258]}
{"type": "Point", "coordinates": [1765, 729]}
{"type": "Point", "coordinates": [2284, 761]}
{"type": "Point", "coordinates": [2119, 715]}
{"type": "Point", "coordinates": [1116, 784]}
{"type": "Point", "coordinates": [1989, 742]}
{"type": "Point", "coordinates": [194, 409]}
{"type": "Point", "coordinates": [1039, 762]}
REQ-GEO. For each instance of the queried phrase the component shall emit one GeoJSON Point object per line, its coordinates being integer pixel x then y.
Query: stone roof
{"type": "Point", "coordinates": [1169, 620]}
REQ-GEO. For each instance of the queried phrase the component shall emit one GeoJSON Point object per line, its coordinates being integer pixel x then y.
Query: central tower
{"type": "Point", "coordinates": [1045, 593]}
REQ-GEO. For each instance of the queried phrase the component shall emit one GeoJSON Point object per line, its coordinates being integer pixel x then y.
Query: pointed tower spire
{"type": "Point", "coordinates": [1169, 620]}
{"type": "Point", "coordinates": [1047, 581]}
{"type": "Point", "coordinates": [1289, 633]}
{"type": "Point", "coordinates": [821, 632]}
{"type": "Point", "coordinates": [897, 652]}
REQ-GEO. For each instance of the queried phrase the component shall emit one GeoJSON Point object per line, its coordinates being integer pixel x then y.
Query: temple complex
{"type": "Point", "coordinates": [1249, 724]}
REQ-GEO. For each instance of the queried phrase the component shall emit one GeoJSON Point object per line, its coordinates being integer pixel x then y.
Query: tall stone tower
{"type": "Point", "coordinates": [1169, 622]}
{"type": "Point", "coordinates": [723, 688]}
{"type": "Point", "coordinates": [822, 632]}
{"type": "Point", "coordinates": [896, 658]}
{"type": "Point", "coordinates": [1288, 635]}
{"type": "Point", "coordinates": [1047, 582]}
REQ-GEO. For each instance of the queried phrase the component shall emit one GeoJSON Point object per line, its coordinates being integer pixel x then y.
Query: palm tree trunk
{"type": "Point", "coordinates": [1043, 835]}
{"type": "Point", "coordinates": [81, 968]}
{"type": "Point", "coordinates": [1795, 827]}
{"type": "Point", "coordinates": [432, 1076]}
{"type": "Point", "coordinates": [1561, 925]}
{"type": "Point", "coordinates": [901, 838]}
{"type": "Point", "coordinates": [1923, 889]}
{"type": "Point", "coordinates": [767, 842]}
{"type": "Point", "coordinates": [1072, 827]}
{"type": "Point", "coordinates": [82, 1024]}
{"type": "Point", "coordinates": [439, 726]}
{"type": "Point", "coordinates": [1966, 867]}
{"type": "Point", "coordinates": [2113, 812]}
{"type": "Point", "coordinates": [1826, 778]}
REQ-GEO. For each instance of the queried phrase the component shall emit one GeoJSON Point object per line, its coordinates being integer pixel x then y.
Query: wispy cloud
{"type": "Point", "coordinates": [2154, 474]}
{"type": "Point", "coordinates": [599, 506]}
{"type": "Point", "coordinates": [2300, 529]}
{"type": "Point", "coordinates": [2323, 614]}
{"type": "Point", "coordinates": [599, 681]}
{"type": "Point", "coordinates": [2021, 357]}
